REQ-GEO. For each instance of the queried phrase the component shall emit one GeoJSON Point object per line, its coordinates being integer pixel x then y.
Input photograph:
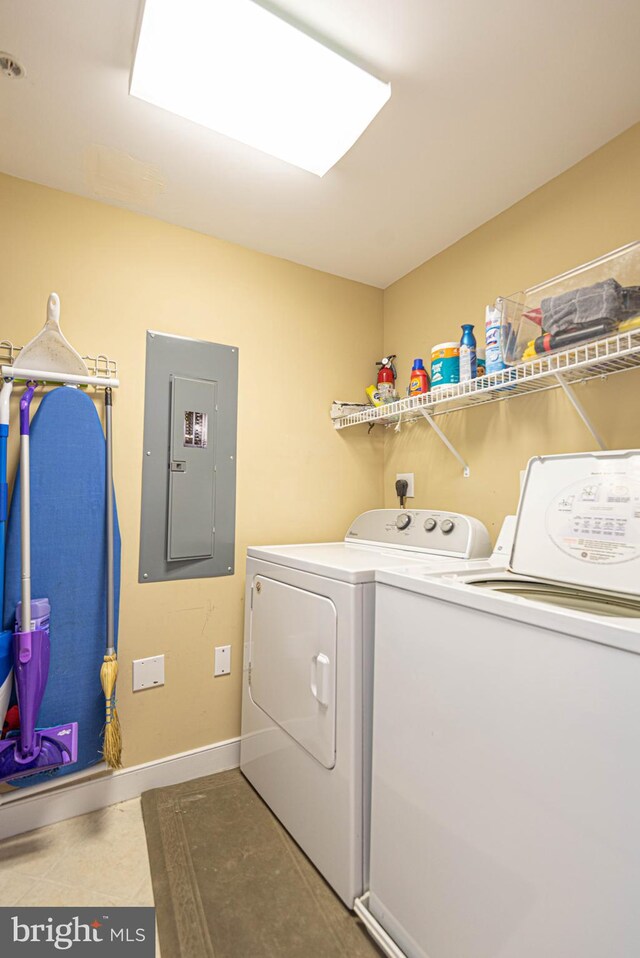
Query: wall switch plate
{"type": "Point", "coordinates": [409, 478]}
{"type": "Point", "coordinates": [148, 673]}
{"type": "Point", "coordinates": [222, 660]}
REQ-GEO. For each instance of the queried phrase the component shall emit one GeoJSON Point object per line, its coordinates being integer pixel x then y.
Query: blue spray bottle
{"type": "Point", "coordinates": [468, 360]}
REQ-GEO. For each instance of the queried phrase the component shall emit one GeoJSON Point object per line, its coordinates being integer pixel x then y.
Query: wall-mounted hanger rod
{"type": "Point", "coordinates": [41, 375]}
{"type": "Point", "coordinates": [50, 348]}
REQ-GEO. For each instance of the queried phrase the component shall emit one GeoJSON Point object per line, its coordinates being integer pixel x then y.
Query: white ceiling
{"type": "Point", "coordinates": [489, 100]}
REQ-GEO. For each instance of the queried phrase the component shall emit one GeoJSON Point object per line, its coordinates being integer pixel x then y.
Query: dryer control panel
{"type": "Point", "coordinates": [425, 530]}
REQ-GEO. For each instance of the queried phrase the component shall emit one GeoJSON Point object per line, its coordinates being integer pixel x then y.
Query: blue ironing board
{"type": "Point", "coordinates": [68, 563]}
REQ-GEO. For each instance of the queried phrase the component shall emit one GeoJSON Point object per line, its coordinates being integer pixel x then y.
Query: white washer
{"type": "Point", "coordinates": [506, 756]}
{"type": "Point", "coordinates": [308, 675]}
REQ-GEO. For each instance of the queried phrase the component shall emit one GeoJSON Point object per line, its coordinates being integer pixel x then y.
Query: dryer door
{"type": "Point", "coordinates": [293, 663]}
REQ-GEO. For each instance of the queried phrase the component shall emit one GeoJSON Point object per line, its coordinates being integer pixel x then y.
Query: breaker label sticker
{"type": "Point", "coordinates": [597, 520]}
{"type": "Point", "coordinates": [195, 429]}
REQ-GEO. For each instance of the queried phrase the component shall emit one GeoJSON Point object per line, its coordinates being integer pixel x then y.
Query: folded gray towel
{"type": "Point", "coordinates": [607, 301]}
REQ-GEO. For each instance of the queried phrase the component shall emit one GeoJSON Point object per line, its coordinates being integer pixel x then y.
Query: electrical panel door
{"type": "Point", "coordinates": [192, 469]}
{"type": "Point", "coordinates": [189, 459]}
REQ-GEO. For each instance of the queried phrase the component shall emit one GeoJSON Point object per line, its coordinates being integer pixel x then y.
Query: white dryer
{"type": "Point", "coordinates": [506, 756]}
{"type": "Point", "coordinates": [308, 675]}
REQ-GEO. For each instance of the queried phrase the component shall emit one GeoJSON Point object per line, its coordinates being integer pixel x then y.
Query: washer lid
{"type": "Point", "coordinates": [579, 521]}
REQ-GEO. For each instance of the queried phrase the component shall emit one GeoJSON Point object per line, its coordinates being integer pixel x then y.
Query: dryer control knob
{"type": "Point", "coordinates": [430, 524]}
{"type": "Point", "coordinates": [447, 526]}
{"type": "Point", "coordinates": [403, 521]}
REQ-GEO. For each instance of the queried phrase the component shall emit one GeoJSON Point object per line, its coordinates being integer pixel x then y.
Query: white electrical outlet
{"type": "Point", "coordinates": [410, 485]}
{"type": "Point", "coordinates": [222, 660]}
{"type": "Point", "coordinates": [148, 673]}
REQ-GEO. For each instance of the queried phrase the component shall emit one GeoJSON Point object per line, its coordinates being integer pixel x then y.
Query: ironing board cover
{"type": "Point", "coordinates": [68, 563]}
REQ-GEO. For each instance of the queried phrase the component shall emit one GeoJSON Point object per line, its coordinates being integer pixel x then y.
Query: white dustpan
{"type": "Point", "coordinates": [49, 351]}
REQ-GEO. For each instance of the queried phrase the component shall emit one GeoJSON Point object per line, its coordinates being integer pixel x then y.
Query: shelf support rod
{"type": "Point", "coordinates": [579, 408]}
{"type": "Point", "coordinates": [438, 431]}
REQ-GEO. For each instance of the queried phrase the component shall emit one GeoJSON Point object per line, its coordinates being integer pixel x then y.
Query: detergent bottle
{"type": "Point", "coordinates": [419, 382]}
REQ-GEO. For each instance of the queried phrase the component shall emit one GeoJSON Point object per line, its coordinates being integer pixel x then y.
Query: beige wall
{"type": "Point", "coordinates": [592, 208]}
{"type": "Point", "coordinates": [305, 338]}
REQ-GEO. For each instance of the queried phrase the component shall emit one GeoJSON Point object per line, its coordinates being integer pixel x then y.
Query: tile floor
{"type": "Point", "coordinates": [94, 860]}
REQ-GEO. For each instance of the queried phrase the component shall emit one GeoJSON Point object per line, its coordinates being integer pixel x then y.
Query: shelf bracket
{"type": "Point", "coordinates": [452, 449]}
{"type": "Point", "coordinates": [579, 408]}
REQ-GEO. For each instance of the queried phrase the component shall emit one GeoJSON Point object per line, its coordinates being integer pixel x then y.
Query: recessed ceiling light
{"type": "Point", "coordinates": [235, 67]}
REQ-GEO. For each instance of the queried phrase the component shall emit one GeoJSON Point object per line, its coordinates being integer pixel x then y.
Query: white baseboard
{"type": "Point", "coordinates": [22, 811]}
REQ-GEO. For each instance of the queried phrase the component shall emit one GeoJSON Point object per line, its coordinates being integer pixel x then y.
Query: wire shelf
{"type": "Point", "coordinates": [100, 367]}
{"type": "Point", "coordinates": [602, 357]}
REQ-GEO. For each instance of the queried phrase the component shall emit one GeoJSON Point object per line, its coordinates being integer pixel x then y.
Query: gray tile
{"type": "Point", "coordinates": [112, 857]}
{"type": "Point", "coordinates": [13, 888]}
{"type": "Point", "coordinates": [51, 894]}
{"type": "Point", "coordinates": [36, 854]}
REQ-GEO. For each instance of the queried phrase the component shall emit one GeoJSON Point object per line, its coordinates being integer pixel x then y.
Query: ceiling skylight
{"type": "Point", "coordinates": [235, 67]}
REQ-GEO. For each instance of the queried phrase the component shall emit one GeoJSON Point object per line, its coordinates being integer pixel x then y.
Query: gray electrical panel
{"type": "Point", "coordinates": [189, 459]}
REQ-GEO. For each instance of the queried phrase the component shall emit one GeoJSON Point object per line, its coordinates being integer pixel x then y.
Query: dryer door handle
{"type": "Point", "coordinates": [321, 678]}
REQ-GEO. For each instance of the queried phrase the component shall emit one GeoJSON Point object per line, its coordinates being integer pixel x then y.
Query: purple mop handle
{"type": "Point", "coordinates": [25, 511]}
{"type": "Point", "coordinates": [25, 404]}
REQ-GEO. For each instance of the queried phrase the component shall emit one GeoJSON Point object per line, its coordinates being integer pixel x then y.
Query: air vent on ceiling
{"type": "Point", "coordinates": [10, 68]}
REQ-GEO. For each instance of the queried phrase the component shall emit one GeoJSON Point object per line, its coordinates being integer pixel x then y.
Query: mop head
{"type": "Point", "coordinates": [52, 748]}
{"type": "Point", "coordinates": [112, 747]}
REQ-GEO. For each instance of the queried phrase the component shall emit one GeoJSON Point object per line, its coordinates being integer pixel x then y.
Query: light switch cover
{"type": "Point", "coordinates": [222, 664]}
{"type": "Point", "coordinates": [148, 673]}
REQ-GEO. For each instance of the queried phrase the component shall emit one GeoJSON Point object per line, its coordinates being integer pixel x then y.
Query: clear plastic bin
{"type": "Point", "coordinates": [547, 318]}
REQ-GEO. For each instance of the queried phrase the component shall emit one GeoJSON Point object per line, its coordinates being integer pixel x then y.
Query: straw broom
{"type": "Point", "coordinates": [112, 746]}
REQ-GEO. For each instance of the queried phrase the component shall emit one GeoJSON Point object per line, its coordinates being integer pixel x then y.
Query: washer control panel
{"type": "Point", "coordinates": [422, 530]}
{"type": "Point", "coordinates": [579, 521]}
